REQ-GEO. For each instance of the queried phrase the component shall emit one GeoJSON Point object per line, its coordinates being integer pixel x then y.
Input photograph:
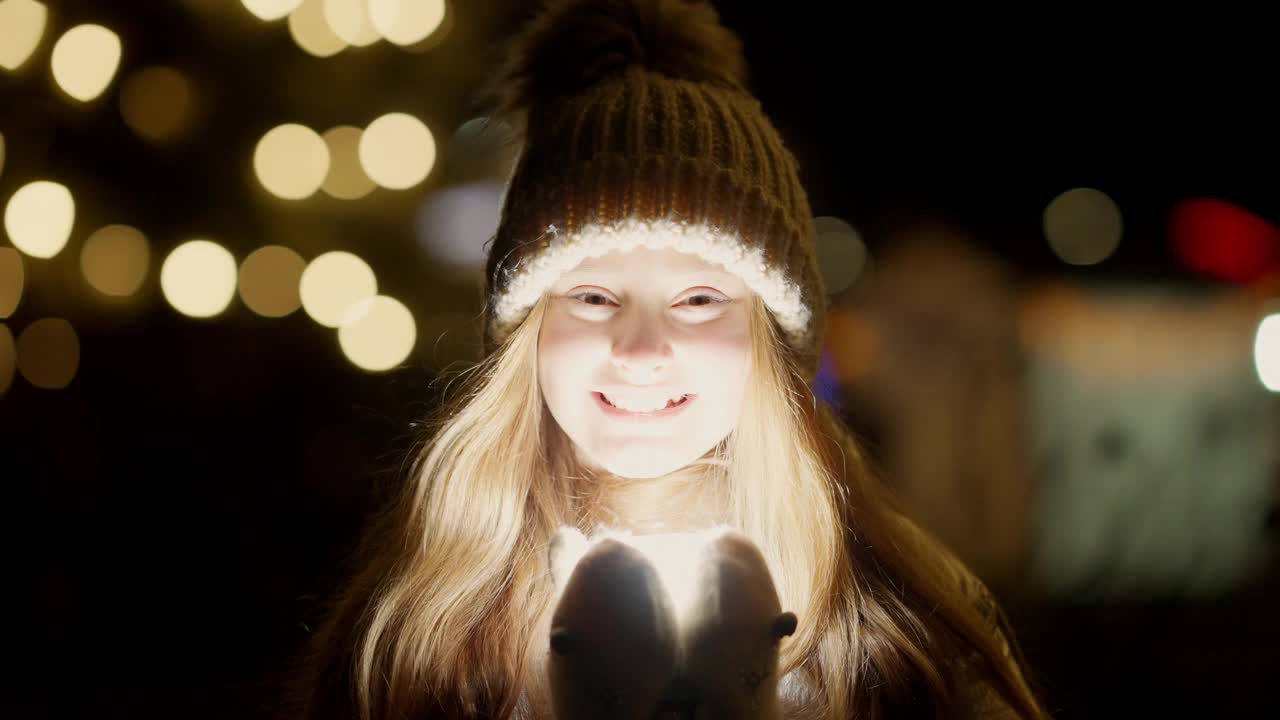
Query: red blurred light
{"type": "Point", "coordinates": [1223, 240]}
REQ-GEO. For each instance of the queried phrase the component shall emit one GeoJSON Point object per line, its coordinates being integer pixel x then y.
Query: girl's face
{"type": "Point", "coordinates": [629, 332]}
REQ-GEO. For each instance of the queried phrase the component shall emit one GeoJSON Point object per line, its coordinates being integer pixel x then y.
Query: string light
{"type": "Point", "coordinates": [310, 30]}
{"type": "Point", "coordinates": [397, 151]}
{"type": "Point", "coordinates": [346, 179]}
{"type": "Point", "coordinates": [333, 284]}
{"type": "Point", "coordinates": [48, 353]}
{"type": "Point", "coordinates": [406, 22]}
{"type": "Point", "coordinates": [85, 60]}
{"type": "Point", "coordinates": [349, 20]}
{"type": "Point", "coordinates": [378, 333]}
{"type": "Point", "coordinates": [115, 260]}
{"type": "Point", "coordinates": [12, 278]}
{"type": "Point", "coordinates": [269, 280]}
{"type": "Point", "coordinates": [198, 278]}
{"type": "Point", "coordinates": [39, 218]}
{"type": "Point", "coordinates": [22, 24]}
{"type": "Point", "coordinates": [269, 10]}
{"type": "Point", "coordinates": [156, 102]}
{"type": "Point", "coordinates": [291, 161]}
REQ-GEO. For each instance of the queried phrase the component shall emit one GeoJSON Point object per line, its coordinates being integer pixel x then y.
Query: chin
{"type": "Point", "coordinates": [643, 466]}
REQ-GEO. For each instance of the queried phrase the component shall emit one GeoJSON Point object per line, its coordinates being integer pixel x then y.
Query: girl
{"type": "Point", "coordinates": [653, 321]}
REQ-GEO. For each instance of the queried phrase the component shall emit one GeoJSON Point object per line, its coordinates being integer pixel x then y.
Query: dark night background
{"type": "Point", "coordinates": [174, 514]}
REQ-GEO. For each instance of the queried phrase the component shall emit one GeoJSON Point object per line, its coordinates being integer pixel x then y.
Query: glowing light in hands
{"type": "Point", "coordinates": [676, 556]}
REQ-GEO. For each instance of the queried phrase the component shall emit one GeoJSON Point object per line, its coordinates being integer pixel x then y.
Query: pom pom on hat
{"type": "Point", "coordinates": [575, 44]}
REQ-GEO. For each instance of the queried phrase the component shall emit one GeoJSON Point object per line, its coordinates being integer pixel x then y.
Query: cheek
{"type": "Point", "coordinates": [722, 363]}
{"type": "Point", "coordinates": [564, 348]}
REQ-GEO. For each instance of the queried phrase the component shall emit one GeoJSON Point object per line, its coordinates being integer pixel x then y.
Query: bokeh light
{"type": "Point", "coordinates": [8, 358]}
{"type": "Point", "coordinates": [115, 260]}
{"type": "Point", "coordinates": [198, 278]}
{"type": "Point", "coordinates": [156, 102]}
{"type": "Point", "coordinates": [270, 9]}
{"type": "Point", "coordinates": [48, 353]}
{"type": "Point", "coordinates": [853, 342]}
{"type": "Point", "coordinates": [1266, 352]}
{"type": "Point", "coordinates": [269, 281]}
{"type": "Point", "coordinates": [349, 20]}
{"type": "Point", "coordinates": [291, 161]}
{"type": "Point", "coordinates": [22, 25]}
{"type": "Point", "coordinates": [346, 179]}
{"type": "Point", "coordinates": [39, 218]}
{"type": "Point", "coordinates": [1223, 240]}
{"type": "Point", "coordinates": [406, 22]}
{"type": "Point", "coordinates": [311, 31]}
{"type": "Point", "coordinates": [397, 151]}
{"type": "Point", "coordinates": [842, 255]}
{"type": "Point", "coordinates": [12, 278]}
{"type": "Point", "coordinates": [379, 335]}
{"type": "Point", "coordinates": [333, 284]}
{"type": "Point", "coordinates": [85, 60]}
{"type": "Point", "coordinates": [454, 223]}
{"type": "Point", "coordinates": [1083, 226]}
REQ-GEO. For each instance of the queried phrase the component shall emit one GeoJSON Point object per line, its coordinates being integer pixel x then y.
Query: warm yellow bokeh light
{"type": "Point", "coordinates": [379, 335]}
{"type": "Point", "coordinates": [334, 283]}
{"type": "Point", "coordinates": [12, 279]}
{"type": "Point", "coordinates": [397, 151]}
{"type": "Point", "coordinates": [291, 161]}
{"type": "Point", "coordinates": [85, 60]}
{"type": "Point", "coordinates": [405, 22]}
{"type": "Point", "coordinates": [311, 31]}
{"type": "Point", "coordinates": [349, 20]}
{"type": "Point", "coordinates": [156, 102]}
{"type": "Point", "coordinates": [8, 358]}
{"type": "Point", "coordinates": [39, 218]}
{"type": "Point", "coordinates": [270, 9]}
{"type": "Point", "coordinates": [21, 27]}
{"type": "Point", "coordinates": [199, 278]}
{"type": "Point", "coordinates": [1083, 226]}
{"type": "Point", "coordinates": [48, 353]}
{"type": "Point", "coordinates": [115, 260]}
{"type": "Point", "coordinates": [346, 180]}
{"type": "Point", "coordinates": [269, 280]}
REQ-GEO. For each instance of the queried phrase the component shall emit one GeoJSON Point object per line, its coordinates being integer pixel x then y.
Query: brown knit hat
{"type": "Point", "coordinates": [639, 131]}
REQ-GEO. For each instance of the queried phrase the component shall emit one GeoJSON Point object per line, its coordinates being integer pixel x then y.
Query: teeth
{"type": "Point", "coordinates": [639, 405]}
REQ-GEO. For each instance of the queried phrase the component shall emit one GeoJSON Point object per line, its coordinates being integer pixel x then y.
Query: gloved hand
{"type": "Point", "coordinates": [613, 633]}
{"type": "Point", "coordinates": [733, 632]}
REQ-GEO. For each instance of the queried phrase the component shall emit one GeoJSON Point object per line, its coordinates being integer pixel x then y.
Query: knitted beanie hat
{"type": "Point", "coordinates": [639, 132]}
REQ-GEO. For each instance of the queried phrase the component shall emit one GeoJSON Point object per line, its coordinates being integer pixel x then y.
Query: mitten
{"type": "Point", "coordinates": [613, 634]}
{"type": "Point", "coordinates": [734, 631]}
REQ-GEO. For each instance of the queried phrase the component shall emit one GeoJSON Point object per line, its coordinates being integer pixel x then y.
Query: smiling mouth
{"type": "Point", "coordinates": [672, 402]}
{"type": "Point", "coordinates": [673, 407]}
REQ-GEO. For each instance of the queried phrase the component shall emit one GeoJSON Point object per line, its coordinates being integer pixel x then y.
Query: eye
{"type": "Point", "coordinates": [705, 299]}
{"type": "Point", "coordinates": [591, 297]}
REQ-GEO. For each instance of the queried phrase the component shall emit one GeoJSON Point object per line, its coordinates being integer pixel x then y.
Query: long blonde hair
{"type": "Point", "coordinates": [447, 616]}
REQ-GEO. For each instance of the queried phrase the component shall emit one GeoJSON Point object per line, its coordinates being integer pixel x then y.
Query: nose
{"type": "Point", "coordinates": [642, 349]}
